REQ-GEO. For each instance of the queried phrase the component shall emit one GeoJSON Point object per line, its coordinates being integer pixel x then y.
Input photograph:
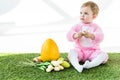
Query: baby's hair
{"type": "Point", "coordinates": [94, 7]}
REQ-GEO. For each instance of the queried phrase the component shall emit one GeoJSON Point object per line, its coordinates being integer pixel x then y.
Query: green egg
{"type": "Point", "coordinates": [65, 64]}
{"type": "Point", "coordinates": [61, 58]}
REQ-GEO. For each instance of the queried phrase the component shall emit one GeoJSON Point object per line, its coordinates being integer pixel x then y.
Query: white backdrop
{"type": "Point", "coordinates": [25, 27]}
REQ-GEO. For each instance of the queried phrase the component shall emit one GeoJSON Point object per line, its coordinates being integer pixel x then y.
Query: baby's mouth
{"type": "Point", "coordinates": [82, 18]}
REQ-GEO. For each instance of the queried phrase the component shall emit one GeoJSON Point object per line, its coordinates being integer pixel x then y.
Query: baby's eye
{"type": "Point", "coordinates": [80, 12]}
{"type": "Point", "coordinates": [86, 13]}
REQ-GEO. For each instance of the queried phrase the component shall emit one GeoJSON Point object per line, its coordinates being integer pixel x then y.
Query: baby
{"type": "Point", "coordinates": [87, 37]}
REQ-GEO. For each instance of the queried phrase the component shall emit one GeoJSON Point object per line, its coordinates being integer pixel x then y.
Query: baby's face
{"type": "Point", "coordinates": [86, 15]}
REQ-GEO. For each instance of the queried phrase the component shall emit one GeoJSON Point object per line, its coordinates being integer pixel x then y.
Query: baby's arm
{"type": "Point", "coordinates": [99, 36]}
{"type": "Point", "coordinates": [73, 34]}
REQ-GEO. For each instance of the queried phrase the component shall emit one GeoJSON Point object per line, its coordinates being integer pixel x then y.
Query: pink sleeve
{"type": "Point", "coordinates": [72, 31]}
{"type": "Point", "coordinates": [98, 35]}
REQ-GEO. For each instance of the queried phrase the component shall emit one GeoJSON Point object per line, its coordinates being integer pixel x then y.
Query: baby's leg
{"type": "Point", "coordinates": [96, 61]}
{"type": "Point", "coordinates": [73, 58]}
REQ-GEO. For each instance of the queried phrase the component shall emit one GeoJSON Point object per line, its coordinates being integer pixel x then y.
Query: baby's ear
{"type": "Point", "coordinates": [94, 16]}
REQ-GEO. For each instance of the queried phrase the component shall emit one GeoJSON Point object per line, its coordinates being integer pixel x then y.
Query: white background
{"type": "Point", "coordinates": [28, 24]}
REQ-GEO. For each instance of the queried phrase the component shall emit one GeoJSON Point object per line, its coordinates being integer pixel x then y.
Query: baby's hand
{"type": "Point", "coordinates": [78, 35]}
{"type": "Point", "coordinates": [88, 35]}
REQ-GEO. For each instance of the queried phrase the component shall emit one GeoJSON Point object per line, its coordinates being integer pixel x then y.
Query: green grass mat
{"type": "Point", "coordinates": [12, 68]}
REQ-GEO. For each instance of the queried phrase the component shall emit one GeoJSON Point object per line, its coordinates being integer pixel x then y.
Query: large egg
{"type": "Point", "coordinates": [49, 50]}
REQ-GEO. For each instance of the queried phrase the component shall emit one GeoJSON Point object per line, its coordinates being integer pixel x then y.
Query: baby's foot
{"type": "Point", "coordinates": [86, 64]}
{"type": "Point", "coordinates": [79, 68]}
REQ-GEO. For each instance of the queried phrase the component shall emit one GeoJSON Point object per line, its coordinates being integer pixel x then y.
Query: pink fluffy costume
{"type": "Point", "coordinates": [86, 50]}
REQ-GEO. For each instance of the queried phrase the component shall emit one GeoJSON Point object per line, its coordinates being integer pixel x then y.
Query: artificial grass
{"type": "Point", "coordinates": [12, 68]}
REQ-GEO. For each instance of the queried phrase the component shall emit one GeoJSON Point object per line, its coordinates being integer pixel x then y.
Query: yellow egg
{"type": "Point", "coordinates": [49, 50]}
